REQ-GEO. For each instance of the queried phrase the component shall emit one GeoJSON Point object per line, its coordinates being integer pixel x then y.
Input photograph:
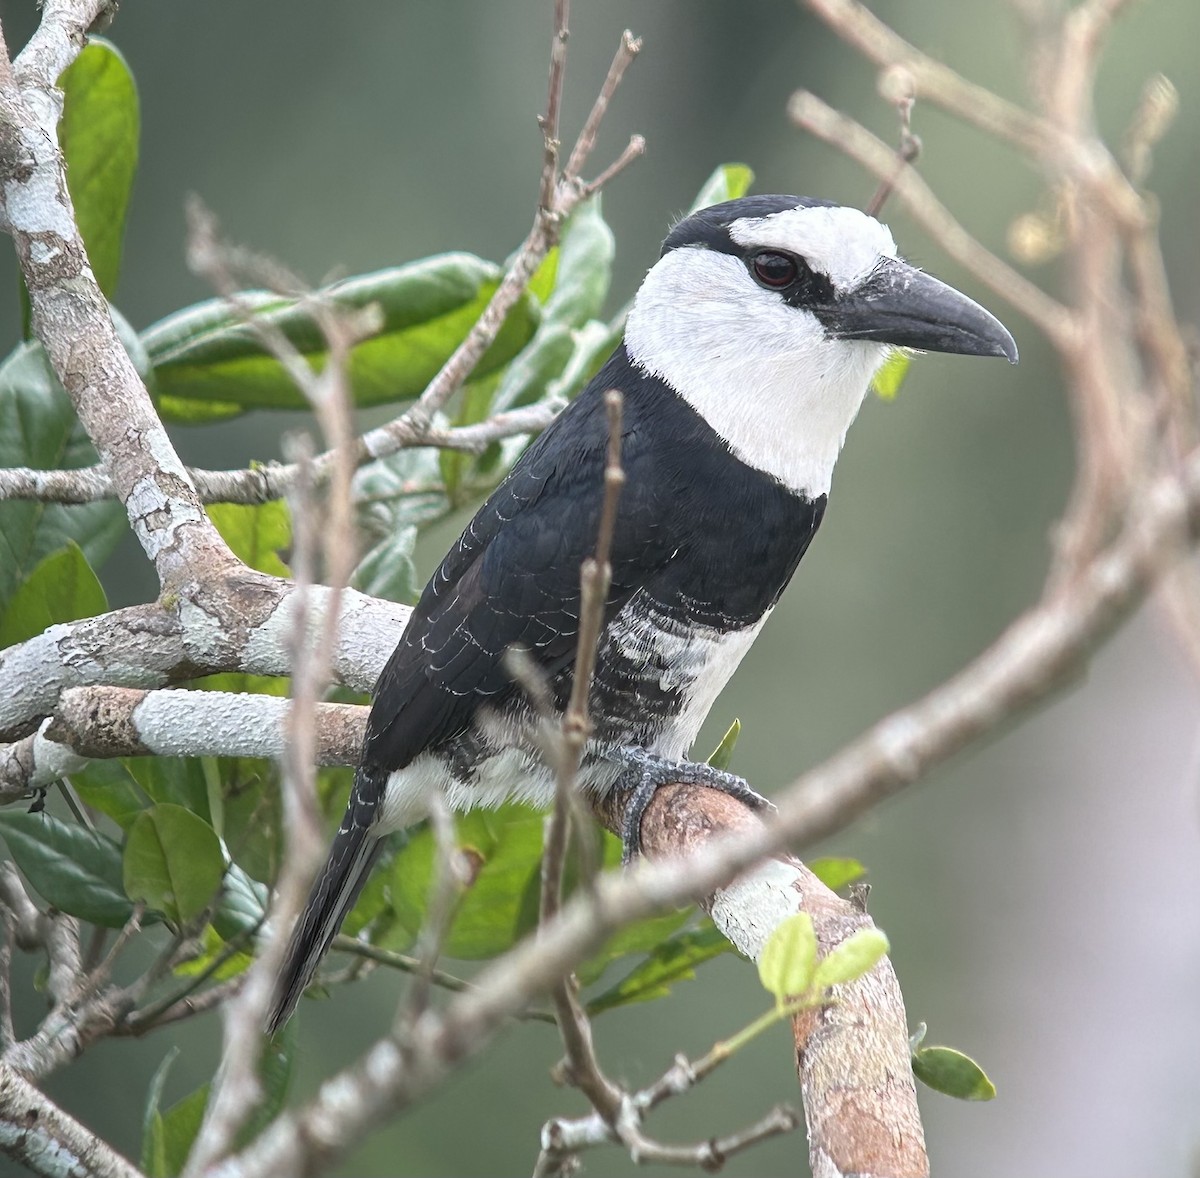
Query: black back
{"type": "Point", "coordinates": [706, 537]}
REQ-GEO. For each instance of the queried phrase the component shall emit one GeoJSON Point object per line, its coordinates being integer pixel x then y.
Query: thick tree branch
{"type": "Point", "coordinates": [238, 623]}
{"type": "Point", "coordinates": [70, 315]}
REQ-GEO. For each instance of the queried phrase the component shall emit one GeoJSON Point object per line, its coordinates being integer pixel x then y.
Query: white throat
{"type": "Point", "coordinates": [762, 374]}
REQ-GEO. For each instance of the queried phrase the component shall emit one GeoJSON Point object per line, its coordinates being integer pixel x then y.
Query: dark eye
{"type": "Point", "coordinates": [774, 270]}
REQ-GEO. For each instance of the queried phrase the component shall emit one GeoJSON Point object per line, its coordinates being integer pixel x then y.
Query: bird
{"type": "Point", "coordinates": [747, 353]}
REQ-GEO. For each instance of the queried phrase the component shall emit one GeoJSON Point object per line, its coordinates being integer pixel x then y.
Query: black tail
{"type": "Point", "coordinates": [333, 894]}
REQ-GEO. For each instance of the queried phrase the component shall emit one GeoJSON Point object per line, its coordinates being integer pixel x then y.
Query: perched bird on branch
{"type": "Point", "coordinates": [747, 354]}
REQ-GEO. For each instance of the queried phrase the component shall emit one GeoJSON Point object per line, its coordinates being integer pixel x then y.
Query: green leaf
{"type": "Point", "coordinates": [205, 354]}
{"type": "Point", "coordinates": [98, 135]}
{"type": "Point", "coordinates": [836, 873]}
{"type": "Point", "coordinates": [173, 862]}
{"type": "Point", "coordinates": [951, 1072]}
{"type": "Point", "coordinates": [593, 344]}
{"type": "Point", "coordinates": [855, 956]}
{"type": "Point", "coordinates": [176, 1130]}
{"type": "Point", "coordinates": [275, 1076]}
{"type": "Point", "coordinates": [641, 937]}
{"type": "Point", "coordinates": [728, 182]}
{"type": "Point", "coordinates": [179, 780]}
{"type": "Point", "coordinates": [38, 428]}
{"type": "Point", "coordinates": [582, 275]}
{"type": "Point", "coordinates": [887, 381]}
{"type": "Point", "coordinates": [723, 753]}
{"type": "Point", "coordinates": [786, 963]}
{"type": "Point", "coordinates": [475, 407]}
{"type": "Point", "coordinates": [257, 533]}
{"type": "Point", "coordinates": [215, 949]}
{"type": "Point", "coordinates": [61, 588]}
{"type": "Point", "coordinates": [168, 1137]}
{"type": "Point", "coordinates": [584, 272]}
{"type": "Point", "coordinates": [505, 850]}
{"type": "Point", "coordinates": [153, 1152]}
{"type": "Point", "coordinates": [76, 870]}
{"type": "Point", "coordinates": [242, 905]}
{"type": "Point", "coordinates": [388, 570]}
{"type": "Point", "coordinates": [674, 960]}
{"type": "Point", "coordinates": [109, 787]}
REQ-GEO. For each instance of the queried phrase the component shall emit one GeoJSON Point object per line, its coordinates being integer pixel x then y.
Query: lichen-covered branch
{"type": "Point", "coordinates": [42, 1139]}
{"type": "Point", "coordinates": [70, 315]}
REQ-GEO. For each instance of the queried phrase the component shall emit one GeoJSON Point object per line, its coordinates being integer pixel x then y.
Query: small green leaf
{"type": "Point", "coordinates": [215, 949]}
{"type": "Point", "coordinates": [722, 755]}
{"type": "Point", "coordinates": [887, 381]}
{"type": "Point", "coordinates": [785, 965]}
{"type": "Point", "coordinates": [173, 862]}
{"type": "Point", "coordinates": [728, 182]}
{"type": "Point", "coordinates": [109, 787]}
{"type": "Point", "coordinates": [76, 870]}
{"type": "Point", "coordinates": [61, 588]}
{"type": "Point", "coordinates": [205, 354]}
{"type": "Point", "coordinates": [154, 1162]}
{"type": "Point", "coordinates": [38, 428]}
{"type": "Point", "coordinates": [675, 960]}
{"type": "Point", "coordinates": [98, 135]}
{"type": "Point", "coordinates": [837, 873]}
{"type": "Point", "coordinates": [584, 269]}
{"type": "Point", "coordinates": [855, 956]}
{"type": "Point", "coordinates": [948, 1071]}
{"type": "Point", "coordinates": [582, 274]}
{"type": "Point", "coordinates": [256, 533]}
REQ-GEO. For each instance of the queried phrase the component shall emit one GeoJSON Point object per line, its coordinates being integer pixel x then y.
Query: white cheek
{"type": "Point", "coordinates": [762, 374]}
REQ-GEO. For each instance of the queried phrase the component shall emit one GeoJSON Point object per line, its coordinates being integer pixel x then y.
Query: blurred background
{"type": "Point", "coordinates": [1041, 894]}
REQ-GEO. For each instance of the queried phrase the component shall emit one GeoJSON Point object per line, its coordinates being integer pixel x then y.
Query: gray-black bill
{"type": "Point", "coordinates": [901, 305]}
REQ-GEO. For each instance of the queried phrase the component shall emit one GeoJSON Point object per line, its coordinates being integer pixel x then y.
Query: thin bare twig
{"type": "Point", "coordinates": [237, 1089]}
{"type": "Point", "coordinates": [897, 86]}
{"type": "Point", "coordinates": [274, 480]}
{"type": "Point", "coordinates": [628, 49]}
{"type": "Point", "coordinates": [813, 115]}
{"type": "Point", "coordinates": [549, 121]}
{"type": "Point", "coordinates": [581, 1066]}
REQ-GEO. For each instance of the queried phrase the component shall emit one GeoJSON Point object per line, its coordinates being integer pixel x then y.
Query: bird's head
{"type": "Point", "coordinates": [771, 314]}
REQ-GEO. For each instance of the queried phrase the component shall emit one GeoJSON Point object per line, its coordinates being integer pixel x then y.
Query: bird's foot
{"type": "Point", "coordinates": [645, 772]}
